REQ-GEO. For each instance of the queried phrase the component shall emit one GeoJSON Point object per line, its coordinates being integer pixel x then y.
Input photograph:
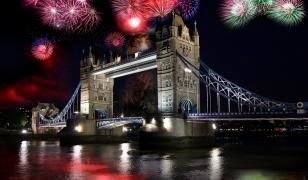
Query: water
{"type": "Point", "coordinates": [48, 160]}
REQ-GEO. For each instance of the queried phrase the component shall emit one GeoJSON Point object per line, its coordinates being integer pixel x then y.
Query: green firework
{"type": "Point", "coordinates": [237, 13]}
{"type": "Point", "coordinates": [287, 12]}
{"type": "Point", "coordinates": [264, 2]}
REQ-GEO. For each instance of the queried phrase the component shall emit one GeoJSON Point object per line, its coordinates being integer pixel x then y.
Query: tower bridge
{"type": "Point", "coordinates": [180, 70]}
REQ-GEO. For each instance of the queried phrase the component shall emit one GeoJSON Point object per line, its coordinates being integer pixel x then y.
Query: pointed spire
{"type": "Point", "coordinates": [82, 61]}
{"type": "Point", "coordinates": [90, 52]}
{"type": "Point", "coordinates": [173, 18]}
{"type": "Point", "coordinates": [196, 33]}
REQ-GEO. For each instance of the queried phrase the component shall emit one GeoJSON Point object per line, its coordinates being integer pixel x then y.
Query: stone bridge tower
{"type": "Point", "coordinates": [96, 91]}
{"type": "Point", "coordinates": [178, 89]}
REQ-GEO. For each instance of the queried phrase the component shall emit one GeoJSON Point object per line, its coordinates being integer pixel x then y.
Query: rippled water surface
{"type": "Point", "coordinates": [48, 160]}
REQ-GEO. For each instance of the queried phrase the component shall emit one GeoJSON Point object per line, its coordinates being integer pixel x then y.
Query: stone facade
{"type": "Point", "coordinates": [174, 84]}
{"type": "Point", "coordinates": [96, 90]}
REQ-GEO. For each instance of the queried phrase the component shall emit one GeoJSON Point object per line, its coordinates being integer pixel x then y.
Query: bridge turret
{"type": "Point", "coordinates": [176, 84]}
{"type": "Point", "coordinates": [196, 34]}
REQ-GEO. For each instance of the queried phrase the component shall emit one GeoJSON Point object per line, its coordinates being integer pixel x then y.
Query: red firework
{"type": "Point", "coordinates": [131, 24]}
{"type": "Point", "coordinates": [131, 16]}
{"type": "Point", "coordinates": [161, 7]}
{"type": "Point", "coordinates": [129, 7]}
{"type": "Point", "coordinates": [42, 49]}
{"type": "Point", "coordinates": [115, 40]}
{"type": "Point", "coordinates": [31, 3]}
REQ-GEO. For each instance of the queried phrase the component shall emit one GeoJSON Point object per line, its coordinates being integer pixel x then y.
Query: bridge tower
{"type": "Point", "coordinates": [96, 93]}
{"type": "Point", "coordinates": [178, 89]}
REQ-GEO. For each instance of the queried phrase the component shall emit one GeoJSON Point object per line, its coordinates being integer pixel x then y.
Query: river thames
{"type": "Point", "coordinates": [48, 160]}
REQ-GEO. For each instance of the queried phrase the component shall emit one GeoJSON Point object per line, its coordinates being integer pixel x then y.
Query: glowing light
{"type": "Point", "coordinates": [153, 121]}
{"type": "Point", "coordinates": [124, 129]}
{"type": "Point", "coordinates": [237, 13]}
{"type": "Point", "coordinates": [134, 22]}
{"type": "Point", "coordinates": [24, 131]}
{"type": "Point", "coordinates": [78, 128]}
{"type": "Point", "coordinates": [167, 124]}
{"type": "Point", "coordinates": [187, 70]}
{"type": "Point", "coordinates": [214, 126]}
{"type": "Point", "coordinates": [42, 49]}
{"type": "Point", "coordinates": [122, 115]}
{"type": "Point", "coordinates": [136, 55]}
{"type": "Point", "coordinates": [189, 8]}
{"type": "Point", "coordinates": [130, 15]}
{"type": "Point", "coordinates": [118, 59]}
{"type": "Point", "coordinates": [287, 12]}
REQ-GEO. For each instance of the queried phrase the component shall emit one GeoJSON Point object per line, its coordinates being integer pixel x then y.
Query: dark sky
{"type": "Point", "coordinates": [265, 57]}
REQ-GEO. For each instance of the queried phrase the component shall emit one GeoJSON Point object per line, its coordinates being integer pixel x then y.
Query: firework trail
{"type": "Point", "coordinates": [115, 40]}
{"type": "Point", "coordinates": [237, 13]}
{"type": "Point", "coordinates": [130, 15]}
{"type": "Point", "coordinates": [287, 12]}
{"type": "Point", "coordinates": [161, 8]}
{"type": "Point", "coordinates": [189, 8]}
{"type": "Point", "coordinates": [70, 15]}
{"type": "Point", "coordinates": [30, 3]}
{"type": "Point", "coordinates": [263, 5]}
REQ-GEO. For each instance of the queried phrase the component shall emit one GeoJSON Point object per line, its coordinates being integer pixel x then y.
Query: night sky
{"type": "Point", "coordinates": [265, 57]}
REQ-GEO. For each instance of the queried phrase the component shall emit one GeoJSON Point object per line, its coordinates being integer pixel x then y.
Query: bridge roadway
{"type": "Point", "coordinates": [252, 116]}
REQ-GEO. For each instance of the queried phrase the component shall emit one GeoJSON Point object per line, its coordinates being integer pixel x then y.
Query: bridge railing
{"type": "Point", "coordinates": [245, 114]}
{"type": "Point", "coordinates": [115, 122]}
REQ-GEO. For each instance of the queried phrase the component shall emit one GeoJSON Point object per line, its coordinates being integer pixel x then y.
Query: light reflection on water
{"type": "Point", "coordinates": [124, 164]}
{"type": "Point", "coordinates": [216, 162]}
{"type": "Point", "coordinates": [48, 160]}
